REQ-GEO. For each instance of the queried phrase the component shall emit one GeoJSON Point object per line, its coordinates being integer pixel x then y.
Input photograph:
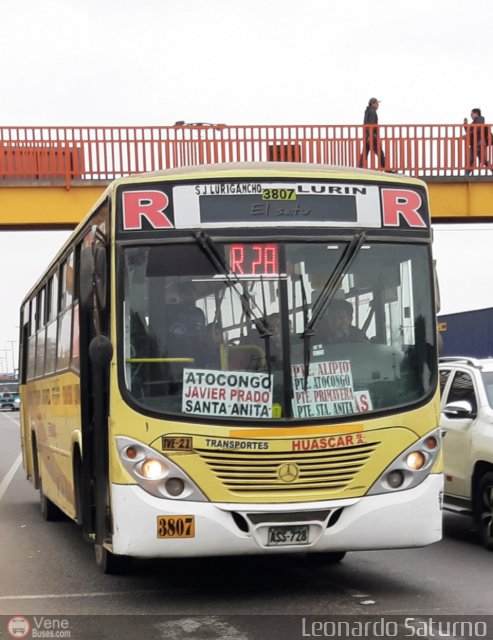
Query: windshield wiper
{"type": "Point", "coordinates": [248, 304]}
{"type": "Point", "coordinates": [325, 297]}
{"type": "Point", "coordinates": [306, 339]}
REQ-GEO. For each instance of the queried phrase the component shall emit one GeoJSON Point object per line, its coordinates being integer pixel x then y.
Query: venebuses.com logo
{"type": "Point", "coordinates": [18, 627]}
{"type": "Point", "coordinates": [38, 627]}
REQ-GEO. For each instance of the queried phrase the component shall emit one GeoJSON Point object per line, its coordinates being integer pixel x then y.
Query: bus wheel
{"type": "Point", "coordinates": [111, 563]}
{"type": "Point", "coordinates": [329, 557]}
{"type": "Point", "coordinates": [78, 488]}
{"type": "Point", "coordinates": [49, 510]}
{"type": "Point", "coordinates": [483, 510]}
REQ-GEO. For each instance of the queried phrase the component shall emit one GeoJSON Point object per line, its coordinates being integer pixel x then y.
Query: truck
{"type": "Point", "coordinates": [467, 333]}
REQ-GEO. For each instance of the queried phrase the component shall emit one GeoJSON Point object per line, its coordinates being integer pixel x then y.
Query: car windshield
{"type": "Point", "coordinates": [9, 387]}
{"type": "Point", "coordinates": [277, 331]}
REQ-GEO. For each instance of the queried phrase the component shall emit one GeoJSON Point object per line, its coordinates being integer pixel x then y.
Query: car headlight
{"type": "Point", "coordinates": [411, 467]}
{"type": "Point", "coordinates": [155, 473]}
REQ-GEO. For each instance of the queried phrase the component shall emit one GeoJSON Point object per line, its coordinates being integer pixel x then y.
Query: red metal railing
{"type": "Point", "coordinates": [74, 155]}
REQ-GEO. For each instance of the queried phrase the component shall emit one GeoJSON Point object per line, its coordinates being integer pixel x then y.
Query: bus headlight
{"type": "Point", "coordinates": [156, 473]}
{"type": "Point", "coordinates": [411, 467]}
{"type": "Point", "coordinates": [175, 486]}
{"type": "Point", "coordinates": [415, 460]}
{"type": "Point", "coordinates": [395, 479]}
{"type": "Point", "coordinates": [153, 469]}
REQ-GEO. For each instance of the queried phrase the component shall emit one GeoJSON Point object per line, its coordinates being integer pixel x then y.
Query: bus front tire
{"type": "Point", "coordinates": [49, 510]}
{"type": "Point", "coordinates": [78, 487]}
{"type": "Point", "coordinates": [110, 563]}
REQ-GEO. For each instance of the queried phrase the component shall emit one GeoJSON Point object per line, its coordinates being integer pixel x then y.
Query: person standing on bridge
{"type": "Point", "coordinates": [370, 131]}
{"type": "Point", "coordinates": [477, 139]}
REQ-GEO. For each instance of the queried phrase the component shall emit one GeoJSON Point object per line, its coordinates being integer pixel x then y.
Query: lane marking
{"type": "Point", "coordinates": [94, 594]}
{"type": "Point", "coordinates": [6, 415]}
{"type": "Point", "coordinates": [4, 485]}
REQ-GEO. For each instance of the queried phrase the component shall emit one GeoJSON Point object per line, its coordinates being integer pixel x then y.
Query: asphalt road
{"type": "Point", "coordinates": [46, 569]}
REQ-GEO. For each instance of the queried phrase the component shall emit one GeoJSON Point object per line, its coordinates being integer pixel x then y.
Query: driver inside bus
{"type": "Point", "coordinates": [339, 323]}
{"type": "Point", "coordinates": [185, 318]}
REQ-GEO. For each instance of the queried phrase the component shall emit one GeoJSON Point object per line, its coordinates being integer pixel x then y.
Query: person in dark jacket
{"type": "Point", "coordinates": [339, 324]}
{"type": "Point", "coordinates": [477, 139]}
{"type": "Point", "coordinates": [372, 139]}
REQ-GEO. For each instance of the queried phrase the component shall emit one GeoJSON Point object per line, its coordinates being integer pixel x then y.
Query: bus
{"type": "Point", "coordinates": [238, 359]}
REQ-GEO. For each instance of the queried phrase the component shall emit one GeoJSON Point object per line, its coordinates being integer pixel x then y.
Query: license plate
{"type": "Point", "coordinates": [288, 535]}
{"type": "Point", "coordinates": [171, 527]}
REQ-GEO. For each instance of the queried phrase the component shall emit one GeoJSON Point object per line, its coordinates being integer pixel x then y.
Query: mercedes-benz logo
{"type": "Point", "coordinates": [288, 472]}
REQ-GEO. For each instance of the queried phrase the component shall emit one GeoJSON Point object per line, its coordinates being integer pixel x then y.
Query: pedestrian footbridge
{"type": "Point", "coordinates": [50, 176]}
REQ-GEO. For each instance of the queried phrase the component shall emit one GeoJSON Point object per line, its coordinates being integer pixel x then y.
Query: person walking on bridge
{"type": "Point", "coordinates": [477, 139]}
{"type": "Point", "coordinates": [372, 140]}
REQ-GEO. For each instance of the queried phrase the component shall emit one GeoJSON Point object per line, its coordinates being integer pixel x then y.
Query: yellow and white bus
{"type": "Point", "coordinates": [239, 359]}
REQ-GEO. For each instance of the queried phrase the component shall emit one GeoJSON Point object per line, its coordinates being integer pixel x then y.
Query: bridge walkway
{"type": "Point", "coordinates": [50, 176]}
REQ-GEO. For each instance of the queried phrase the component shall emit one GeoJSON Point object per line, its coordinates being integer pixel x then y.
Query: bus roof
{"type": "Point", "coordinates": [275, 169]}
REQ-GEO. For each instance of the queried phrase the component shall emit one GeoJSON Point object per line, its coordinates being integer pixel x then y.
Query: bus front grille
{"type": "Point", "coordinates": [291, 471]}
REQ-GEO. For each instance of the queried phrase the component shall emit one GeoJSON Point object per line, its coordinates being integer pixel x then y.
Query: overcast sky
{"type": "Point", "coordinates": [153, 62]}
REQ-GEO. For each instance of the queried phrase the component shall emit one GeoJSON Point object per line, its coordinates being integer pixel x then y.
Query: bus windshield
{"type": "Point", "coordinates": [277, 330]}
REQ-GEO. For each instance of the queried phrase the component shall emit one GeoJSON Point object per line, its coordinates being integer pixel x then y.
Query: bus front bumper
{"type": "Point", "coordinates": [403, 519]}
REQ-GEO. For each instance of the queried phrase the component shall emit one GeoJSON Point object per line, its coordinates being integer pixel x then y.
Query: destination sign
{"type": "Point", "coordinates": [168, 207]}
{"type": "Point", "coordinates": [278, 204]}
{"type": "Point", "coordinates": [253, 258]}
{"type": "Point", "coordinates": [307, 207]}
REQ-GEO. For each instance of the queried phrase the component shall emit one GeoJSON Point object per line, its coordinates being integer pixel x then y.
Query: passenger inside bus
{"type": "Point", "coordinates": [184, 318]}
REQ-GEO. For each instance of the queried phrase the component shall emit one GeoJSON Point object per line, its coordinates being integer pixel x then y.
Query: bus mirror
{"type": "Point", "coordinates": [437, 287]}
{"type": "Point", "coordinates": [100, 351]}
{"type": "Point", "coordinates": [93, 274]}
{"type": "Point", "coordinates": [86, 291]}
{"type": "Point", "coordinates": [100, 276]}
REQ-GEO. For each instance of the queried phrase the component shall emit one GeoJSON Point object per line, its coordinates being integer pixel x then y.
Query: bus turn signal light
{"type": "Point", "coordinates": [131, 452]}
{"type": "Point", "coordinates": [431, 442]}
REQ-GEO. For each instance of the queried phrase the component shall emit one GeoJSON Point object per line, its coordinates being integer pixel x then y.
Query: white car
{"type": "Point", "coordinates": [466, 386]}
{"type": "Point", "coordinates": [9, 402]}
